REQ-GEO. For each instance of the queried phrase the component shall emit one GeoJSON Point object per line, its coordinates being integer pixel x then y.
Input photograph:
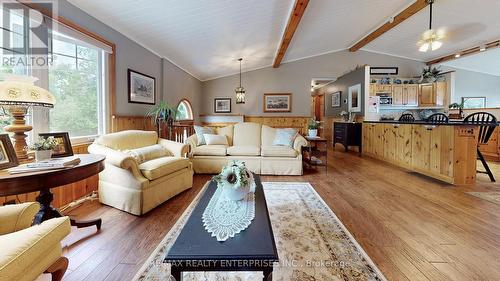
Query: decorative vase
{"type": "Point", "coordinates": [313, 133]}
{"type": "Point", "coordinates": [235, 194]}
{"type": "Point", "coordinates": [42, 155]}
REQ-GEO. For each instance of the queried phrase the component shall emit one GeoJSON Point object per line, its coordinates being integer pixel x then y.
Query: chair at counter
{"type": "Point", "coordinates": [438, 118]}
{"type": "Point", "coordinates": [407, 117]}
{"type": "Point", "coordinates": [487, 123]}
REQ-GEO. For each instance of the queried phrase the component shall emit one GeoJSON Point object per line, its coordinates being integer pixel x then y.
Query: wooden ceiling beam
{"type": "Point", "coordinates": [293, 21]}
{"type": "Point", "coordinates": [399, 18]}
{"type": "Point", "coordinates": [466, 52]}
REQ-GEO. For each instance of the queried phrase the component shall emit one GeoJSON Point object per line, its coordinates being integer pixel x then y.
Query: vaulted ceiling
{"type": "Point", "coordinates": [205, 38]}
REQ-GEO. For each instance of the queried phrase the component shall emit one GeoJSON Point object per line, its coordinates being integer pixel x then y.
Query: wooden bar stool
{"type": "Point", "coordinates": [487, 123]}
{"type": "Point", "coordinates": [438, 118]}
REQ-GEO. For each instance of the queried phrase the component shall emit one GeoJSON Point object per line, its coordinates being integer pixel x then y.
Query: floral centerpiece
{"type": "Point", "coordinates": [43, 148]}
{"type": "Point", "coordinates": [235, 180]}
{"type": "Point", "coordinates": [345, 115]}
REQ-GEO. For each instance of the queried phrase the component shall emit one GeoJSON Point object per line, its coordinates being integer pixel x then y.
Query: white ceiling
{"type": "Point", "coordinates": [485, 62]}
{"type": "Point", "coordinates": [206, 37]}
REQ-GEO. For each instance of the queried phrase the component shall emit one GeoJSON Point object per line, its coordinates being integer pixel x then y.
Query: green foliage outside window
{"type": "Point", "coordinates": [75, 83]}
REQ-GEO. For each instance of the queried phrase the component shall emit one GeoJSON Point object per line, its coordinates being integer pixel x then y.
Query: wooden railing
{"type": "Point", "coordinates": [178, 132]}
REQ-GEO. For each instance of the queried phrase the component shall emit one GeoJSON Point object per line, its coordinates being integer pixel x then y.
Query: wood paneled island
{"type": "Point", "coordinates": [446, 152]}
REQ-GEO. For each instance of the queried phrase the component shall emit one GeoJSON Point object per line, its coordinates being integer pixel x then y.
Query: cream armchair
{"type": "Point", "coordinates": [27, 251]}
{"type": "Point", "coordinates": [142, 171]}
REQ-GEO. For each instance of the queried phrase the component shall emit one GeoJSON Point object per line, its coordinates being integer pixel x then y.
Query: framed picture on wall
{"type": "Point", "coordinates": [141, 88]}
{"type": "Point", "coordinates": [222, 105]}
{"type": "Point", "coordinates": [336, 99]}
{"type": "Point", "coordinates": [354, 98]}
{"type": "Point", "coordinates": [63, 147]}
{"type": "Point", "coordinates": [8, 158]}
{"type": "Point", "coordinates": [474, 102]}
{"type": "Point", "coordinates": [274, 102]}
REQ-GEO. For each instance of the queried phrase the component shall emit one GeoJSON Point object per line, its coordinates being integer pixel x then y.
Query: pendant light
{"type": "Point", "coordinates": [431, 39]}
{"type": "Point", "coordinates": [240, 91]}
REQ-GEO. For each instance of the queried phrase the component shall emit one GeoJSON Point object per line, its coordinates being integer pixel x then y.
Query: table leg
{"type": "Point", "coordinates": [176, 273]}
{"type": "Point", "coordinates": [47, 211]}
{"type": "Point", "coordinates": [268, 274]}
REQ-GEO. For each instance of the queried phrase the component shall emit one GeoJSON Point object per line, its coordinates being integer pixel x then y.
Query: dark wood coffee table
{"type": "Point", "coordinates": [251, 250]}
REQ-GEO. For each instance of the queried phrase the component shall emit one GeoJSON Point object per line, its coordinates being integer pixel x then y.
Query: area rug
{"type": "Point", "coordinates": [492, 196]}
{"type": "Point", "coordinates": [312, 242]}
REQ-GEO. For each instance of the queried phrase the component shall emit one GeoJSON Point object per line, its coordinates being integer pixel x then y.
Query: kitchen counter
{"type": "Point", "coordinates": [446, 152]}
{"type": "Point", "coordinates": [422, 122]}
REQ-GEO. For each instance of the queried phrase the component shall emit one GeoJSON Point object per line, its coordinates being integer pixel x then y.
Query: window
{"type": "Point", "coordinates": [184, 110]}
{"type": "Point", "coordinates": [76, 77]}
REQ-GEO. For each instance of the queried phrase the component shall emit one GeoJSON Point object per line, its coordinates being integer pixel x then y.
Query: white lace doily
{"type": "Point", "coordinates": [224, 218]}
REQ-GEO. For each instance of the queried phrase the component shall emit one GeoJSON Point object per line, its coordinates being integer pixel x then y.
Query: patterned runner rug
{"type": "Point", "coordinates": [312, 242]}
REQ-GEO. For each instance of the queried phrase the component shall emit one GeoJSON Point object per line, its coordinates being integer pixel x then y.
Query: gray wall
{"type": "Point", "coordinates": [342, 84]}
{"type": "Point", "coordinates": [295, 77]}
{"type": "Point", "coordinates": [177, 85]}
{"type": "Point", "coordinates": [131, 55]}
{"type": "Point", "coordinates": [476, 84]}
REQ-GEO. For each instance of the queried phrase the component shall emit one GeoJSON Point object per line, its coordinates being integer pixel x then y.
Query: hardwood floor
{"type": "Point", "coordinates": [413, 227]}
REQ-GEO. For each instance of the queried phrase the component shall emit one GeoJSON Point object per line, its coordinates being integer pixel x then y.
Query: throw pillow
{"type": "Point", "coordinates": [199, 133]}
{"type": "Point", "coordinates": [215, 139]}
{"type": "Point", "coordinates": [143, 154]}
{"type": "Point", "coordinates": [285, 137]}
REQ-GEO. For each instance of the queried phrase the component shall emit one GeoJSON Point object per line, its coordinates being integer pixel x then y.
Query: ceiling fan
{"type": "Point", "coordinates": [431, 39]}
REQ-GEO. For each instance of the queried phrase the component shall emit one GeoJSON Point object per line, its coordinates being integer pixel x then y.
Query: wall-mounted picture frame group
{"type": "Point", "coordinates": [8, 158]}
{"type": "Point", "coordinates": [336, 99]}
{"type": "Point", "coordinates": [474, 102]}
{"type": "Point", "coordinates": [277, 102]}
{"type": "Point", "coordinates": [63, 148]}
{"type": "Point", "coordinates": [354, 98]}
{"type": "Point", "coordinates": [141, 88]}
{"type": "Point", "coordinates": [222, 105]}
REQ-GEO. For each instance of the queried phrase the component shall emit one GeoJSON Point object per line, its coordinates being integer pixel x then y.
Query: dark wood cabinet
{"type": "Point", "coordinates": [347, 133]}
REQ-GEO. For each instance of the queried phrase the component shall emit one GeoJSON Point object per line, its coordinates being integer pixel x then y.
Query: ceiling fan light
{"type": "Point", "coordinates": [436, 45]}
{"type": "Point", "coordinates": [424, 48]}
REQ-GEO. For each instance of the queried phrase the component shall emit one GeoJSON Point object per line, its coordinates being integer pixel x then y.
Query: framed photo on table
{"type": "Point", "coordinates": [8, 158]}
{"type": "Point", "coordinates": [141, 88]}
{"type": "Point", "coordinates": [277, 102]}
{"type": "Point", "coordinates": [63, 148]}
{"type": "Point", "coordinates": [222, 105]}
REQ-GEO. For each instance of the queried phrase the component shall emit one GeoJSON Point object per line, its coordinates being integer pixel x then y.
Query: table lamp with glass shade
{"type": "Point", "coordinates": [17, 95]}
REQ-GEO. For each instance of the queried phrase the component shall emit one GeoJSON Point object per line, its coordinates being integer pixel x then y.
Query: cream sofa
{"type": "Point", "coordinates": [135, 187]}
{"type": "Point", "coordinates": [27, 251]}
{"type": "Point", "coordinates": [251, 143]}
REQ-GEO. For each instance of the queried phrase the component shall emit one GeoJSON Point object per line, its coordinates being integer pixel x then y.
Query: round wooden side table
{"type": "Point", "coordinates": [43, 181]}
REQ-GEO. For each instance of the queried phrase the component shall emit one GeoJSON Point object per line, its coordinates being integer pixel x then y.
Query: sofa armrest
{"type": "Point", "coordinates": [299, 142]}
{"type": "Point", "coordinates": [17, 217]}
{"type": "Point", "coordinates": [192, 141]}
{"type": "Point", "coordinates": [178, 149]}
{"type": "Point", "coordinates": [118, 159]}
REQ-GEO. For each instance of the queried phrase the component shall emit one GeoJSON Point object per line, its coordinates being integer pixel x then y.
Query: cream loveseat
{"type": "Point", "coordinates": [142, 171]}
{"type": "Point", "coordinates": [27, 251]}
{"type": "Point", "coordinates": [251, 143]}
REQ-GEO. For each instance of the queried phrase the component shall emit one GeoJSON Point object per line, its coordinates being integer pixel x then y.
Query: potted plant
{"type": "Point", "coordinates": [43, 148]}
{"type": "Point", "coordinates": [313, 127]}
{"type": "Point", "coordinates": [235, 180]}
{"type": "Point", "coordinates": [162, 112]}
{"type": "Point", "coordinates": [430, 74]}
{"type": "Point", "coordinates": [455, 106]}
